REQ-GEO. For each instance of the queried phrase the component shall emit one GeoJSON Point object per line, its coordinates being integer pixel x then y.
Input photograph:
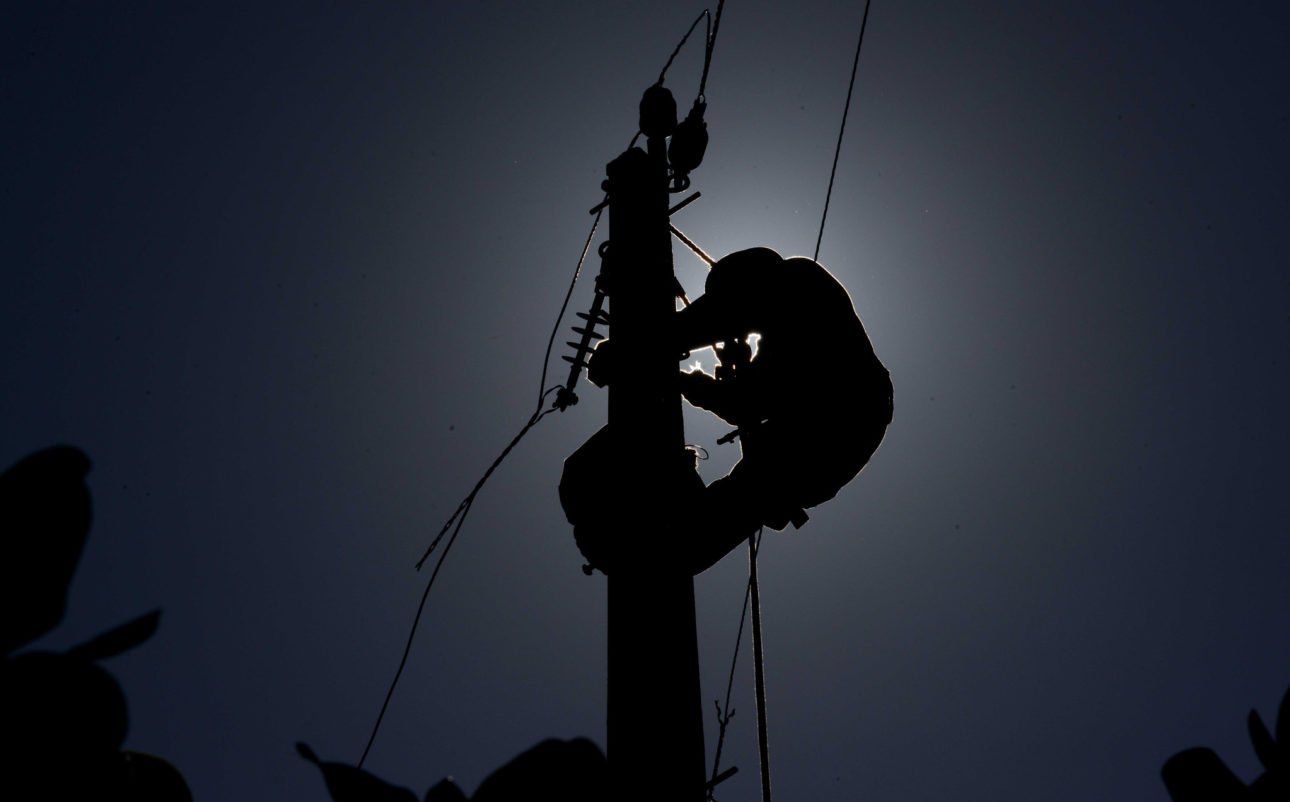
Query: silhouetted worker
{"type": "Point", "coordinates": [810, 406]}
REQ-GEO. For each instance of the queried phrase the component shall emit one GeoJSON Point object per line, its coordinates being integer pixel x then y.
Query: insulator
{"type": "Point", "coordinates": [564, 398]}
{"type": "Point", "coordinates": [689, 141]}
{"type": "Point", "coordinates": [575, 361]}
{"type": "Point", "coordinates": [658, 112]}
{"type": "Point", "coordinates": [598, 319]}
{"type": "Point", "coordinates": [588, 333]}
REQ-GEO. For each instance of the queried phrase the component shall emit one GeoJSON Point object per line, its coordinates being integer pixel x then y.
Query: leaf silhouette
{"type": "Point", "coordinates": [119, 639]}
{"type": "Point", "coordinates": [351, 784]}
{"type": "Point", "coordinates": [1264, 745]}
{"type": "Point", "coordinates": [445, 791]}
{"type": "Point", "coordinates": [44, 520]}
{"type": "Point", "coordinates": [1283, 720]}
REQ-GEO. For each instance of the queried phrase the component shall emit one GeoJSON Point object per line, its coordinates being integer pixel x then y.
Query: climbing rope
{"type": "Point", "coordinates": [841, 130]}
{"type": "Point", "coordinates": [725, 714]}
{"type": "Point", "coordinates": [759, 670]}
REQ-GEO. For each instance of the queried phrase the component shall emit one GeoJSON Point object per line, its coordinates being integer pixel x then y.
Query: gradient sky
{"type": "Point", "coordinates": [286, 271]}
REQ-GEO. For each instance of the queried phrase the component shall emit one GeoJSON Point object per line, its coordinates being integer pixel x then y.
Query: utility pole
{"type": "Point", "coordinates": [655, 713]}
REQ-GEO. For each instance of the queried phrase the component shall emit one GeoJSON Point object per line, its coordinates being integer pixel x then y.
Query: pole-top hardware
{"type": "Point", "coordinates": [657, 112]}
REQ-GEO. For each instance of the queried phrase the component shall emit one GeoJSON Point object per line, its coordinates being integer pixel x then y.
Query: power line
{"type": "Point", "coordinates": [707, 37]}
{"type": "Point", "coordinates": [841, 130]}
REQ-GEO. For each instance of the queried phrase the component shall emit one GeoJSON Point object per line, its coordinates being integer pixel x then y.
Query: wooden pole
{"type": "Point", "coordinates": [654, 717]}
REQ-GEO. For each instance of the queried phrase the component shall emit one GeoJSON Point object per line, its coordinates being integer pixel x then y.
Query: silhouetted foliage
{"type": "Point", "coordinates": [1200, 775]}
{"type": "Point", "coordinates": [347, 783]}
{"type": "Point", "coordinates": [573, 771]}
{"type": "Point", "coordinates": [65, 716]}
{"type": "Point", "coordinates": [46, 517]}
{"type": "Point", "coordinates": [570, 771]}
{"type": "Point", "coordinates": [445, 791]}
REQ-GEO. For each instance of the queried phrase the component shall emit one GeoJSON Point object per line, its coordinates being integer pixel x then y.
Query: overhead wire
{"type": "Point", "coordinates": [841, 130]}
{"type": "Point", "coordinates": [459, 516]}
{"type": "Point", "coordinates": [752, 596]}
{"type": "Point", "coordinates": [707, 36]}
{"type": "Point", "coordinates": [707, 50]}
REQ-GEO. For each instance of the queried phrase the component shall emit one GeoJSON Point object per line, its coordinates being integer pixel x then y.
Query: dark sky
{"type": "Point", "coordinates": [286, 273]}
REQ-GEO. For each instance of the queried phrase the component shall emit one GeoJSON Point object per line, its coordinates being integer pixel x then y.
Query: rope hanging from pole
{"type": "Point", "coordinates": [724, 715]}
{"type": "Point", "coordinates": [759, 670]}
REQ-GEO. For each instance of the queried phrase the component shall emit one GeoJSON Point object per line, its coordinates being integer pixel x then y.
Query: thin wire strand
{"type": "Point", "coordinates": [681, 43]}
{"type": "Point", "coordinates": [407, 647]}
{"type": "Point", "coordinates": [707, 51]}
{"type": "Point", "coordinates": [841, 130]}
{"type": "Point", "coordinates": [470, 497]}
{"type": "Point", "coordinates": [459, 517]}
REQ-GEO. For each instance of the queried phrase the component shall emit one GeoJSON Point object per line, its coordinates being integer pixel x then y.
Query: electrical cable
{"type": "Point", "coordinates": [707, 51]}
{"type": "Point", "coordinates": [841, 130]}
{"type": "Point", "coordinates": [681, 43]}
{"type": "Point", "coordinates": [459, 517]}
